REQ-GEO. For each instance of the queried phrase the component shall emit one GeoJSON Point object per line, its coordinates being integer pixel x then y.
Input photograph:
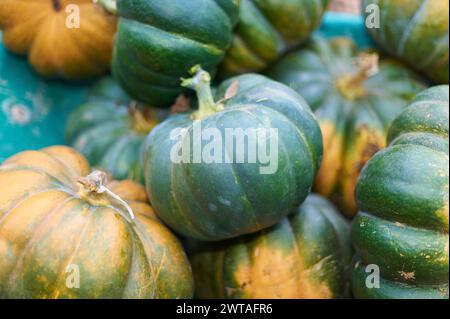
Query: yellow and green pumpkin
{"type": "Point", "coordinates": [68, 39]}
{"type": "Point", "coordinates": [65, 235]}
{"type": "Point", "coordinates": [355, 97]}
{"type": "Point", "coordinates": [305, 256]}
{"type": "Point", "coordinates": [403, 197]}
{"type": "Point", "coordinates": [415, 31]}
{"type": "Point", "coordinates": [267, 29]}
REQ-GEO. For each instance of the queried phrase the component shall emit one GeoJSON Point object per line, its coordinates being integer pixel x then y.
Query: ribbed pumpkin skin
{"type": "Point", "coordinates": [417, 32]}
{"type": "Point", "coordinates": [220, 200]}
{"type": "Point", "coordinates": [353, 128]}
{"type": "Point", "coordinates": [403, 196]}
{"type": "Point", "coordinates": [159, 41]}
{"type": "Point", "coordinates": [307, 255]}
{"type": "Point", "coordinates": [268, 28]}
{"type": "Point", "coordinates": [105, 132]}
{"type": "Point", "coordinates": [48, 225]}
{"type": "Point", "coordinates": [38, 29]}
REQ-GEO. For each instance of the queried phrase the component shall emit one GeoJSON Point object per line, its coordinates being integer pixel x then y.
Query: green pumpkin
{"type": "Point", "coordinates": [225, 197]}
{"type": "Point", "coordinates": [355, 97]}
{"type": "Point", "coordinates": [306, 255]}
{"type": "Point", "coordinates": [158, 42]}
{"type": "Point", "coordinates": [267, 29]}
{"type": "Point", "coordinates": [403, 196]}
{"type": "Point", "coordinates": [109, 130]}
{"type": "Point", "coordinates": [415, 31]}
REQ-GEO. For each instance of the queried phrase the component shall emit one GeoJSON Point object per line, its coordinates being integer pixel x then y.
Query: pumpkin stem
{"type": "Point", "coordinates": [95, 183]}
{"type": "Point", "coordinates": [142, 120]}
{"type": "Point", "coordinates": [352, 86]}
{"type": "Point", "coordinates": [201, 83]}
{"type": "Point", "coordinates": [109, 5]}
{"type": "Point", "coordinates": [56, 5]}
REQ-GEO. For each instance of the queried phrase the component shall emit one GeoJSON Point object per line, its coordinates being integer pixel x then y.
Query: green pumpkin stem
{"type": "Point", "coordinates": [95, 184]}
{"type": "Point", "coordinates": [201, 83]}
{"type": "Point", "coordinates": [109, 5]}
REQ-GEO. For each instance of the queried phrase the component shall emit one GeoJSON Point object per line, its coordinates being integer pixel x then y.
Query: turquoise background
{"type": "Point", "coordinates": [44, 105]}
{"type": "Point", "coordinates": [33, 111]}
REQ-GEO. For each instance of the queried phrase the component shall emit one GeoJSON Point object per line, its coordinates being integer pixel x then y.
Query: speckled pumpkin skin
{"type": "Point", "coordinates": [353, 123]}
{"type": "Point", "coordinates": [37, 29]}
{"type": "Point", "coordinates": [305, 256]}
{"type": "Point", "coordinates": [221, 200]}
{"type": "Point", "coordinates": [109, 130]}
{"type": "Point", "coordinates": [47, 225]}
{"type": "Point", "coordinates": [159, 41]}
{"type": "Point", "coordinates": [417, 32]}
{"type": "Point", "coordinates": [267, 28]}
{"type": "Point", "coordinates": [403, 196]}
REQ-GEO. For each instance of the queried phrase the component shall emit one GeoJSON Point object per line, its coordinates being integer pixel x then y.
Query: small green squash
{"type": "Point", "coordinates": [403, 197]}
{"type": "Point", "coordinates": [267, 29]}
{"type": "Point", "coordinates": [68, 233]}
{"type": "Point", "coordinates": [355, 97]}
{"type": "Point", "coordinates": [306, 255]}
{"type": "Point", "coordinates": [224, 196]}
{"type": "Point", "coordinates": [110, 129]}
{"type": "Point", "coordinates": [415, 31]}
{"type": "Point", "coordinates": [160, 41]}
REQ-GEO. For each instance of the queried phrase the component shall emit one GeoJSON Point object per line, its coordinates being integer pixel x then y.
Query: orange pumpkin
{"type": "Point", "coordinates": [57, 228]}
{"type": "Point", "coordinates": [56, 44]}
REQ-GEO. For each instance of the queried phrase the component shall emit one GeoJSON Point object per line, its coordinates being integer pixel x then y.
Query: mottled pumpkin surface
{"type": "Point", "coordinates": [43, 30]}
{"type": "Point", "coordinates": [305, 256]}
{"type": "Point", "coordinates": [109, 129]}
{"type": "Point", "coordinates": [159, 41]}
{"type": "Point", "coordinates": [355, 97]}
{"type": "Point", "coordinates": [403, 197]}
{"type": "Point", "coordinates": [227, 197]}
{"type": "Point", "coordinates": [415, 31]}
{"type": "Point", "coordinates": [267, 29]}
{"type": "Point", "coordinates": [50, 225]}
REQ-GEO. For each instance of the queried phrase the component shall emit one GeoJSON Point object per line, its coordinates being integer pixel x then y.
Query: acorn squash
{"type": "Point", "coordinates": [65, 235]}
{"type": "Point", "coordinates": [305, 256]}
{"type": "Point", "coordinates": [403, 197]}
{"type": "Point", "coordinates": [159, 41]}
{"type": "Point", "coordinates": [110, 129]}
{"type": "Point", "coordinates": [267, 29]}
{"type": "Point", "coordinates": [64, 39]}
{"type": "Point", "coordinates": [355, 97]}
{"type": "Point", "coordinates": [203, 174]}
{"type": "Point", "coordinates": [415, 31]}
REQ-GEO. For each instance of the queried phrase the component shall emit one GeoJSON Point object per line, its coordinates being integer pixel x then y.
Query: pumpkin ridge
{"type": "Point", "coordinates": [181, 208]}
{"type": "Point", "coordinates": [297, 255]}
{"type": "Point", "coordinates": [9, 168]}
{"type": "Point", "coordinates": [32, 239]}
{"type": "Point", "coordinates": [55, 293]}
{"type": "Point", "coordinates": [169, 80]}
{"type": "Point", "coordinates": [409, 27]}
{"type": "Point", "coordinates": [9, 211]}
{"type": "Point", "coordinates": [68, 168]}
{"type": "Point", "coordinates": [302, 136]}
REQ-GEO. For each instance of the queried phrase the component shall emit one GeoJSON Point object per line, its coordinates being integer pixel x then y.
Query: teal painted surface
{"type": "Point", "coordinates": [33, 111]}
{"type": "Point", "coordinates": [349, 25]}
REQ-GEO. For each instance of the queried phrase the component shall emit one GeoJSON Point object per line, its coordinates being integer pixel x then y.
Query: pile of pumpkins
{"type": "Point", "coordinates": [111, 215]}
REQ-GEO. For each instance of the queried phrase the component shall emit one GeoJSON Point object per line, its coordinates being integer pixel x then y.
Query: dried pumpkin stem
{"type": "Point", "coordinates": [143, 121]}
{"type": "Point", "coordinates": [95, 183]}
{"type": "Point", "coordinates": [201, 83]}
{"type": "Point", "coordinates": [56, 5]}
{"type": "Point", "coordinates": [109, 5]}
{"type": "Point", "coordinates": [352, 86]}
